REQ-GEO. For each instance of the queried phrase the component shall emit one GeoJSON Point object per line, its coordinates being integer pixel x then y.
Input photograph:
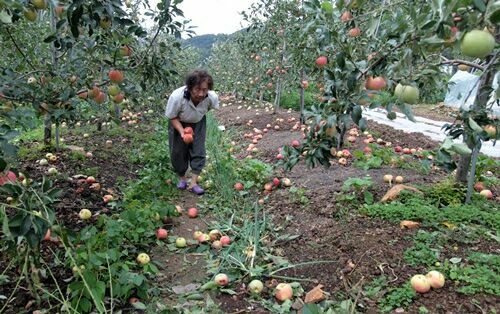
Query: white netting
{"type": "Point", "coordinates": [459, 87]}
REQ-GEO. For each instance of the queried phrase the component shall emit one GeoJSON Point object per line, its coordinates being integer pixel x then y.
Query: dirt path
{"type": "Point", "coordinates": [180, 272]}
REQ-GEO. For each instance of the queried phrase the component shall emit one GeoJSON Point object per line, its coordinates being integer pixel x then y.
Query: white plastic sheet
{"type": "Point", "coordinates": [461, 84]}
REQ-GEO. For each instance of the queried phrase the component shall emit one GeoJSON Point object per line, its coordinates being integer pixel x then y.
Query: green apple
{"type": "Point", "coordinates": [180, 242]}
{"type": "Point", "coordinates": [143, 258]}
{"type": "Point", "coordinates": [477, 44]}
{"type": "Point", "coordinates": [85, 214]}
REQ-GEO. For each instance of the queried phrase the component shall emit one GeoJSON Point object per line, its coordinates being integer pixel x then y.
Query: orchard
{"type": "Point", "coordinates": [317, 199]}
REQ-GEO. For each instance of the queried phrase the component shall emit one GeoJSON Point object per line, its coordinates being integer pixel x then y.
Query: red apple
{"type": "Point", "coordinates": [90, 180]}
{"type": "Point", "coordinates": [107, 198]}
{"type": "Point", "coordinates": [276, 182]}
{"type": "Point", "coordinates": [398, 149]}
{"type": "Point", "coordinates": [268, 186]}
{"type": "Point", "coordinates": [321, 61]}
{"type": "Point", "coordinates": [238, 186]}
{"type": "Point", "coordinates": [9, 177]}
{"type": "Point", "coordinates": [295, 143]}
{"type": "Point", "coordinates": [221, 280]}
{"type": "Point", "coordinates": [479, 186]}
{"type": "Point", "coordinates": [279, 156]}
{"type": "Point", "coordinates": [115, 76]}
{"type": "Point", "coordinates": [225, 240]}
{"type": "Point", "coordinates": [486, 193]}
{"type": "Point", "coordinates": [192, 212]}
{"type": "Point", "coordinates": [346, 17]}
{"type": "Point", "coordinates": [47, 235]}
{"type": "Point", "coordinates": [283, 292]}
{"type": "Point", "coordinates": [435, 279]}
{"type": "Point", "coordinates": [161, 234]}
{"type": "Point", "coordinates": [375, 83]}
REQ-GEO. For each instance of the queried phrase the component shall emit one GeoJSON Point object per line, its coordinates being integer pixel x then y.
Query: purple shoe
{"type": "Point", "coordinates": [182, 185]}
{"type": "Point", "coordinates": [198, 190]}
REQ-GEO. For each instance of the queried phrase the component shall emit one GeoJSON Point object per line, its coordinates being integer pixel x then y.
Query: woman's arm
{"type": "Point", "coordinates": [176, 123]}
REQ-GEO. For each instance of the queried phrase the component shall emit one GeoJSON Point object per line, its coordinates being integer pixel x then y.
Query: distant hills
{"type": "Point", "coordinates": [205, 43]}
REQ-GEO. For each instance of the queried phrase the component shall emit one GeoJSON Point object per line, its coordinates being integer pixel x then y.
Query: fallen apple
{"type": "Point", "coordinates": [420, 283]}
{"type": "Point", "coordinates": [435, 279]}
{"type": "Point", "coordinates": [197, 234]}
{"type": "Point", "coordinates": [90, 180]}
{"type": "Point", "coordinates": [192, 212]}
{"type": "Point", "coordinates": [255, 286]}
{"type": "Point", "coordinates": [479, 186]}
{"type": "Point", "coordinates": [107, 198]}
{"type": "Point", "coordinates": [47, 235]}
{"type": "Point", "coordinates": [203, 238]}
{"type": "Point", "coordinates": [221, 280]}
{"type": "Point", "coordinates": [214, 234]}
{"type": "Point", "coordinates": [180, 242]}
{"type": "Point", "coordinates": [217, 245]}
{"type": "Point", "coordinates": [225, 240]}
{"type": "Point", "coordinates": [399, 179]}
{"type": "Point", "coordinates": [143, 258]}
{"type": "Point", "coordinates": [85, 214]}
{"type": "Point", "coordinates": [276, 182]}
{"type": "Point", "coordinates": [283, 292]}
{"type": "Point", "coordinates": [286, 182]}
{"type": "Point", "coordinates": [486, 193]}
{"type": "Point", "coordinates": [161, 234]}
{"type": "Point", "coordinates": [388, 178]}
{"type": "Point", "coordinates": [238, 186]}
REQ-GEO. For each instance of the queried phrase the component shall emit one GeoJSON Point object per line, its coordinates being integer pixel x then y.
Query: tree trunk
{"type": "Point", "coordinates": [277, 100]}
{"type": "Point", "coordinates": [302, 118]}
{"type": "Point", "coordinates": [57, 137]}
{"type": "Point", "coordinates": [483, 95]}
{"type": "Point", "coordinates": [47, 130]}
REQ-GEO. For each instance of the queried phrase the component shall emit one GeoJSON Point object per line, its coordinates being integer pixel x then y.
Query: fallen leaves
{"type": "Point", "coordinates": [315, 295]}
{"type": "Point", "coordinates": [394, 192]}
{"type": "Point", "coordinates": [408, 224]}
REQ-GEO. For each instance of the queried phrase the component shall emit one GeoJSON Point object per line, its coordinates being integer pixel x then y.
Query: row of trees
{"type": "Point", "coordinates": [60, 55]}
{"type": "Point", "coordinates": [384, 53]}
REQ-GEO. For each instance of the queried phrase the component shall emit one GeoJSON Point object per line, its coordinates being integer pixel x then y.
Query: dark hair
{"type": "Point", "coordinates": [197, 77]}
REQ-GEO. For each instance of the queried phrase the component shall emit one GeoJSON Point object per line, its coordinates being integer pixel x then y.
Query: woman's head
{"type": "Point", "coordinates": [198, 83]}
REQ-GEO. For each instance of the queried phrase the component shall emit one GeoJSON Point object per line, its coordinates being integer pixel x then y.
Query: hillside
{"type": "Point", "coordinates": [205, 43]}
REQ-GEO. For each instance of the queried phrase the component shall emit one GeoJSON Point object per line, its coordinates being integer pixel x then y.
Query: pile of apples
{"type": "Point", "coordinates": [479, 187]}
{"type": "Point", "coordinates": [215, 236]}
{"type": "Point", "coordinates": [276, 183]}
{"type": "Point", "coordinates": [422, 284]}
{"type": "Point", "coordinates": [93, 185]}
{"type": "Point", "coordinates": [389, 178]}
{"type": "Point", "coordinates": [130, 117]}
{"type": "Point", "coordinates": [342, 155]}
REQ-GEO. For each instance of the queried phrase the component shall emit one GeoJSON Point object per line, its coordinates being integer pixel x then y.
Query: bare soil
{"type": "Point", "coordinates": [356, 249]}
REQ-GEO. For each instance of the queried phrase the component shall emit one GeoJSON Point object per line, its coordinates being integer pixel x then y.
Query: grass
{"type": "Point", "coordinates": [419, 208]}
{"type": "Point", "coordinates": [291, 99]}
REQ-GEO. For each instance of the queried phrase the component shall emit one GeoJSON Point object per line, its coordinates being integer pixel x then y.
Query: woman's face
{"type": "Point", "coordinates": [199, 92]}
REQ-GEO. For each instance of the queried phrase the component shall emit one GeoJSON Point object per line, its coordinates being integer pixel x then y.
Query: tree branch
{"type": "Point", "coordinates": [19, 49]}
{"type": "Point", "coordinates": [471, 64]}
{"type": "Point", "coordinates": [363, 73]}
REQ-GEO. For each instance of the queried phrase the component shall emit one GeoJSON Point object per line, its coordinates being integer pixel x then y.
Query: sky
{"type": "Point", "coordinates": [214, 16]}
